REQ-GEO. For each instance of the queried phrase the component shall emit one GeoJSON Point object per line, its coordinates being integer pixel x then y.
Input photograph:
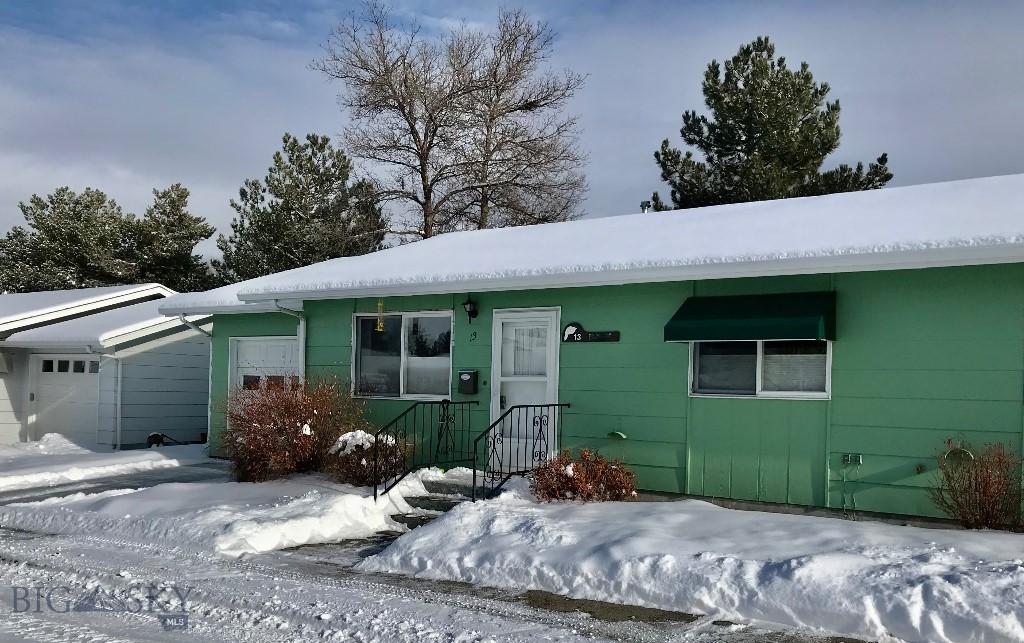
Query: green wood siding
{"type": "Point", "coordinates": [919, 356]}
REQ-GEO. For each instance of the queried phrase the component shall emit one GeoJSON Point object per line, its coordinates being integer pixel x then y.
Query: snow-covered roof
{"type": "Point", "coordinates": [20, 310]}
{"type": "Point", "coordinates": [222, 300]}
{"type": "Point", "coordinates": [974, 221]}
{"type": "Point", "coordinates": [99, 330]}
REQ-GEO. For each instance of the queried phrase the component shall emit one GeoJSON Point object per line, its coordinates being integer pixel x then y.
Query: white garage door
{"type": "Point", "coordinates": [264, 361]}
{"type": "Point", "coordinates": [67, 396]}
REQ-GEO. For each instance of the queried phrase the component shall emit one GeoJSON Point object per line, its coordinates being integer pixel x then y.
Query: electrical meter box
{"type": "Point", "coordinates": [469, 382]}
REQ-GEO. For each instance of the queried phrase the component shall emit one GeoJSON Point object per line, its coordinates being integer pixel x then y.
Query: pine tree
{"type": "Point", "coordinates": [769, 131]}
{"type": "Point", "coordinates": [304, 211]}
{"type": "Point", "coordinates": [71, 241]}
{"type": "Point", "coordinates": [167, 236]}
{"type": "Point", "coordinates": [86, 240]}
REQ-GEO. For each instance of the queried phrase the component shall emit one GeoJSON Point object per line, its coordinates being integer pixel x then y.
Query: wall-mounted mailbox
{"type": "Point", "coordinates": [469, 382]}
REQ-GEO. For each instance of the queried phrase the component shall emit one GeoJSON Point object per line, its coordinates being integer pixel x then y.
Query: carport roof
{"type": "Point", "coordinates": [100, 330]}
{"type": "Point", "coordinates": [20, 311]}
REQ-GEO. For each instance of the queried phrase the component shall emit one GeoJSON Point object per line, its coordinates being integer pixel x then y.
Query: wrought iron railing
{"type": "Point", "coordinates": [428, 433]}
{"type": "Point", "coordinates": [514, 444]}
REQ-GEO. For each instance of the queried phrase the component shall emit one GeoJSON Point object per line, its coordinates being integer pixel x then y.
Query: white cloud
{"type": "Point", "coordinates": [126, 106]}
{"type": "Point", "coordinates": [128, 116]}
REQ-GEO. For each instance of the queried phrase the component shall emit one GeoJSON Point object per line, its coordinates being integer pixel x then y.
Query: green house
{"type": "Point", "coordinates": [816, 351]}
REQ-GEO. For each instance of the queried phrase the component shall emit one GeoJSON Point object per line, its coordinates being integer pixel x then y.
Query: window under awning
{"type": "Point", "coordinates": [805, 315]}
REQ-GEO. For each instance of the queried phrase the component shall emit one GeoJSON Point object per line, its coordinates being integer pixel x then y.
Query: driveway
{"type": "Point", "coordinates": [210, 471]}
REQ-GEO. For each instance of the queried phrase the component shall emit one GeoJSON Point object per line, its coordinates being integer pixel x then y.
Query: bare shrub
{"type": "Point", "coordinates": [351, 459]}
{"type": "Point", "coordinates": [980, 490]}
{"type": "Point", "coordinates": [276, 430]}
{"type": "Point", "coordinates": [589, 477]}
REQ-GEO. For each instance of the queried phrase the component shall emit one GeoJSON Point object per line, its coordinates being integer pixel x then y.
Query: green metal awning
{"type": "Point", "coordinates": [805, 315]}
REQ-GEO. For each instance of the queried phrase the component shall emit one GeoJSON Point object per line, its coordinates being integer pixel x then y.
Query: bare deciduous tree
{"type": "Point", "coordinates": [468, 125]}
{"type": "Point", "coordinates": [523, 157]}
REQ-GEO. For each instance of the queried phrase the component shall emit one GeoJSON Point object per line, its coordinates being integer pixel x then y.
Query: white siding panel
{"type": "Point", "coordinates": [107, 429]}
{"type": "Point", "coordinates": [165, 388]}
{"type": "Point", "coordinates": [12, 396]}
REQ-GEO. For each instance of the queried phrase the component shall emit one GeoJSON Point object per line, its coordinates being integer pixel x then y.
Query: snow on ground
{"type": "Point", "coordinates": [55, 460]}
{"type": "Point", "coordinates": [260, 600]}
{"type": "Point", "coordinates": [863, 579]}
{"type": "Point", "coordinates": [231, 519]}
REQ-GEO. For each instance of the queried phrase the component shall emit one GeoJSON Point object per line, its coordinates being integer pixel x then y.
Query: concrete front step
{"type": "Point", "coordinates": [434, 502]}
{"type": "Point", "coordinates": [448, 488]}
{"type": "Point", "coordinates": [430, 508]}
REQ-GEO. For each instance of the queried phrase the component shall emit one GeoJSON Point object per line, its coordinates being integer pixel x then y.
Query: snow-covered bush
{"type": "Point", "coordinates": [351, 458]}
{"type": "Point", "coordinates": [274, 431]}
{"type": "Point", "coordinates": [980, 490]}
{"type": "Point", "coordinates": [589, 477]}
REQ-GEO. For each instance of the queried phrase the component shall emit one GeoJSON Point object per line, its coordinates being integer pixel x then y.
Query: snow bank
{"type": "Point", "coordinates": [859, 579]}
{"type": "Point", "coordinates": [54, 460]}
{"type": "Point", "coordinates": [230, 518]}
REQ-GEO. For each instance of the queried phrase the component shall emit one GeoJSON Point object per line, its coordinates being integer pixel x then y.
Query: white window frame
{"type": "Point", "coordinates": [401, 374]}
{"type": "Point", "coordinates": [759, 392]}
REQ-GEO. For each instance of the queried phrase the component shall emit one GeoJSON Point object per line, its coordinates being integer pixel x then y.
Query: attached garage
{"type": "Point", "coordinates": [110, 379]}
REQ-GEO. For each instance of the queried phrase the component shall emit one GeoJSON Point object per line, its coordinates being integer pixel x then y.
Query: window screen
{"type": "Point", "coordinates": [428, 360]}
{"type": "Point", "coordinates": [795, 366]}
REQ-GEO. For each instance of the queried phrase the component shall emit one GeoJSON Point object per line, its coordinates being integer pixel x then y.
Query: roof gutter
{"type": "Point", "coordinates": [300, 334]}
{"type": "Point", "coordinates": [193, 326]}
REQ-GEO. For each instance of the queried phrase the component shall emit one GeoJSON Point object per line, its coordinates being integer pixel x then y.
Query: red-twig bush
{"type": "Point", "coordinates": [982, 491]}
{"type": "Point", "coordinates": [351, 459]}
{"type": "Point", "coordinates": [274, 431]}
{"type": "Point", "coordinates": [589, 477]}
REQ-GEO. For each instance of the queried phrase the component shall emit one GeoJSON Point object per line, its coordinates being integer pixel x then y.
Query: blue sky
{"type": "Point", "coordinates": [128, 96]}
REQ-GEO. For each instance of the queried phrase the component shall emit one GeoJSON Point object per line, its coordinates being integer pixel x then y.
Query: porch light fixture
{"type": "Point", "coordinates": [471, 310]}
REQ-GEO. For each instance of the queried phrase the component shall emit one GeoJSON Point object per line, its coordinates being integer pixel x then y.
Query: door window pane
{"type": "Point", "coordinates": [250, 382]}
{"type": "Point", "coordinates": [47, 365]}
{"type": "Point", "coordinates": [379, 357]}
{"type": "Point", "coordinates": [428, 355]}
{"type": "Point", "coordinates": [726, 367]}
{"type": "Point", "coordinates": [94, 366]}
{"type": "Point", "coordinates": [524, 350]}
{"type": "Point", "coordinates": [62, 365]}
{"type": "Point", "coordinates": [79, 366]}
{"type": "Point", "coordinates": [794, 366]}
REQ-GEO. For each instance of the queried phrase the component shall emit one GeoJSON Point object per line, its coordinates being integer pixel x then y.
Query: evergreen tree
{"type": "Point", "coordinates": [167, 237]}
{"type": "Point", "coordinates": [71, 241]}
{"type": "Point", "coordinates": [767, 137]}
{"type": "Point", "coordinates": [86, 240]}
{"type": "Point", "coordinates": [303, 212]}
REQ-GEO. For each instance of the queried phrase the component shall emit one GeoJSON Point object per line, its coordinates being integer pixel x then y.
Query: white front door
{"type": "Point", "coordinates": [65, 397]}
{"type": "Point", "coordinates": [264, 361]}
{"type": "Point", "coordinates": [524, 378]}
